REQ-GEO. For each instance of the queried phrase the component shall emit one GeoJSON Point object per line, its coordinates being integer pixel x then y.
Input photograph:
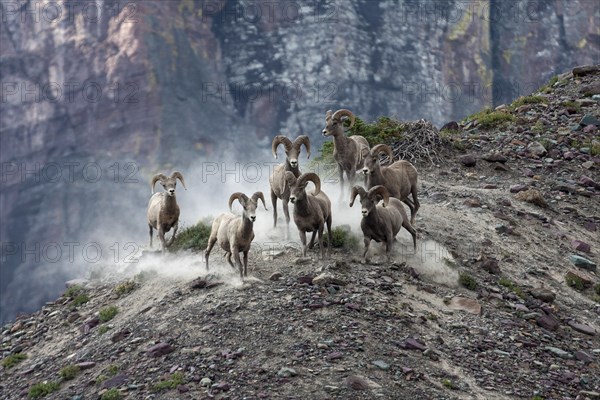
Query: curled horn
{"type": "Point", "coordinates": [155, 178]}
{"type": "Point", "coordinates": [314, 178]}
{"type": "Point", "coordinates": [379, 191]}
{"type": "Point", "coordinates": [290, 179]}
{"type": "Point", "coordinates": [328, 115]}
{"type": "Point", "coordinates": [356, 190]}
{"type": "Point", "coordinates": [280, 139]}
{"type": "Point", "coordinates": [303, 140]}
{"type": "Point", "coordinates": [344, 113]}
{"type": "Point", "coordinates": [259, 195]}
{"type": "Point", "coordinates": [178, 175]}
{"type": "Point", "coordinates": [383, 148]}
{"type": "Point", "coordinates": [239, 196]}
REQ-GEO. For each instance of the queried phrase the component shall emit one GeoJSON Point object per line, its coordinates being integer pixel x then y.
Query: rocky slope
{"type": "Point", "coordinates": [500, 301]}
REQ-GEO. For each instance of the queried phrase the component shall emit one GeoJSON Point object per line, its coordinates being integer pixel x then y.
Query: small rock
{"type": "Point", "coordinates": [357, 382]}
{"type": "Point", "coordinates": [302, 260]}
{"type": "Point", "coordinates": [468, 160]}
{"type": "Point", "coordinates": [537, 149]}
{"type": "Point", "coordinates": [586, 70]}
{"type": "Point", "coordinates": [583, 356]}
{"type": "Point", "coordinates": [160, 349]}
{"type": "Point", "coordinates": [490, 265]}
{"type": "Point", "coordinates": [578, 276]}
{"type": "Point", "coordinates": [558, 352]}
{"type": "Point", "coordinates": [451, 126]}
{"type": "Point", "coordinates": [589, 394]}
{"type": "Point", "coordinates": [543, 294]}
{"type": "Point", "coordinates": [586, 181]}
{"type": "Point", "coordinates": [327, 279]}
{"type": "Point", "coordinates": [381, 364]}
{"type": "Point", "coordinates": [532, 196]}
{"type": "Point", "coordinates": [590, 226]}
{"type": "Point", "coordinates": [588, 164]}
{"type": "Point", "coordinates": [275, 276]}
{"type": "Point", "coordinates": [547, 322]}
{"type": "Point", "coordinates": [501, 167]}
{"type": "Point", "coordinates": [472, 203]}
{"type": "Point", "coordinates": [115, 381]}
{"type": "Point", "coordinates": [89, 324]}
{"type": "Point", "coordinates": [85, 365]}
{"type": "Point", "coordinates": [581, 246]}
{"type": "Point", "coordinates": [183, 389]}
{"type": "Point", "coordinates": [582, 262]}
{"type": "Point", "coordinates": [589, 119]}
{"type": "Point", "coordinates": [413, 344]}
{"type": "Point", "coordinates": [306, 279]}
{"type": "Point", "coordinates": [582, 328]}
{"type": "Point", "coordinates": [205, 382]}
{"type": "Point", "coordinates": [286, 372]}
{"type": "Point", "coordinates": [518, 188]}
{"type": "Point", "coordinates": [465, 304]}
{"type": "Point", "coordinates": [495, 158]}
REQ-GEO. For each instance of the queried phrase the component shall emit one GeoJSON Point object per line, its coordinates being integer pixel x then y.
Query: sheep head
{"type": "Point", "coordinates": [369, 200]}
{"type": "Point", "coordinates": [371, 162]}
{"type": "Point", "coordinates": [292, 150]}
{"type": "Point", "coordinates": [334, 125]}
{"type": "Point", "coordinates": [298, 185]}
{"type": "Point", "coordinates": [168, 183]}
{"type": "Point", "coordinates": [248, 204]}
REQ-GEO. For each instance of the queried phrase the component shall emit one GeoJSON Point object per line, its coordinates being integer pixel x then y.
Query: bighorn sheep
{"type": "Point", "coordinates": [399, 178]}
{"type": "Point", "coordinates": [235, 233]}
{"type": "Point", "coordinates": [163, 211]}
{"type": "Point", "coordinates": [381, 222]}
{"type": "Point", "coordinates": [348, 151]}
{"type": "Point", "coordinates": [311, 211]}
{"type": "Point", "coordinates": [279, 189]}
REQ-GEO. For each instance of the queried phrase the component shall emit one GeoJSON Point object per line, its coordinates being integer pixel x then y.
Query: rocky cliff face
{"type": "Point", "coordinates": [98, 96]}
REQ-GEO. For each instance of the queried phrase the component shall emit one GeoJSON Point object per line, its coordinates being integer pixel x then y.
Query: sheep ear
{"type": "Point", "coordinates": [364, 152]}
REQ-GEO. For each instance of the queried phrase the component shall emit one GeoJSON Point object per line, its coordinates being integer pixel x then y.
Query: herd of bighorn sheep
{"type": "Point", "coordinates": [389, 184]}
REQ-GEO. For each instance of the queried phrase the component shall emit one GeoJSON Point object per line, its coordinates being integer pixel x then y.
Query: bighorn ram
{"type": "Point", "coordinates": [381, 222]}
{"type": "Point", "coordinates": [163, 211]}
{"type": "Point", "coordinates": [279, 189]}
{"type": "Point", "coordinates": [348, 152]}
{"type": "Point", "coordinates": [235, 233]}
{"type": "Point", "coordinates": [311, 211]}
{"type": "Point", "coordinates": [399, 178]}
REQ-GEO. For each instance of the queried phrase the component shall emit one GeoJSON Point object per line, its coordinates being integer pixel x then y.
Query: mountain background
{"type": "Point", "coordinates": [97, 97]}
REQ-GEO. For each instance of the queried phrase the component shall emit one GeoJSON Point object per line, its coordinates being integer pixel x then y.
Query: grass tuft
{"type": "Point", "coordinates": [112, 394]}
{"type": "Point", "coordinates": [13, 359]}
{"type": "Point", "coordinates": [175, 380]}
{"type": "Point", "coordinates": [467, 281]}
{"type": "Point", "coordinates": [194, 238]}
{"type": "Point", "coordinates": [43, 389]}
{"type": "Point", "coordinates": [69, 372]}
{"type": "Point", "coordinates": [108, 313]}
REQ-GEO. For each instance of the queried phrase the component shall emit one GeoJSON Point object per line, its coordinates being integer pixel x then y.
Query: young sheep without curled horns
{"type": "Point", "coordinates": [279, 190]}
{"type": "Point", "coordinates": [348, 152]}
{"type": "Point", "coordinates": [311, 211]}
{"type": "Point", "coordinates": [399, 178]}
{"type": "Point", "coordinates": [235, 233]}
{"type": "Point", "coordinates": [381, 223]}
{"type": "Point", "coordinates": [163, 211]}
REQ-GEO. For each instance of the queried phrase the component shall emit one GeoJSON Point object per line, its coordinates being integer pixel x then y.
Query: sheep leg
{"type": "Point", "coordinates": [411, 206]}
{"type": "Point", "coordinates": [274, 202]}
{"type": "Point", "coordinates": [286, 212]}
{"type": "Point", "coordinates": [417, 205]}
{"type": "Point", "coordinates": [211, 243]}
{"type": "Point", "coordinates": [238, 262]}
{"type": "Point", "coordinates": [228, 256]}
{"type": "Point", "coordinates": [175, 226]}
{"type": "Point", "coordinates": [413, 233]}
{"type": "Point", "coordinates": [367, 242]}
{"type": "Point", "coordinates": [341, 175]}
{"type": "Point", "coordinates": [246, 263]}
{"type": "Point", "coordinates": [311, 244]}
{"type": "Point", "coordinates": [303, 240]}
{"type": "Point", "coordinates": [389, 240]}
{"type": "Point", "coordinates": [161, 237]}
{"type": "Point", "coordinates": [321, 241]}
{"type": "Point", "coordinates": [150, 235]}
{"type": "Point", "coordinates": [330, 243]}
